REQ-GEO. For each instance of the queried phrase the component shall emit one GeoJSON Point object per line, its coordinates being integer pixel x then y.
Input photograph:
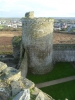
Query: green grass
{"type": "Point", "coordinates": [61, 91]}
{"type": "Point", "coordinates": [6, 52]}
{"type": "Point", "coordinates": [61, 70]}
{"type": "Point", "coordinates": [1, 27]}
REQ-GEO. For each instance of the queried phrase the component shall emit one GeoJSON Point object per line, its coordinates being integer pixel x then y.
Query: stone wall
{"type": "Point", "coordinates": [61, 52]}
{"type": "Point", "coordinates": [37, 38]}
{"type": "Point", "coordinates": [64, 52]}
{"type": "Point", "coordinates": [16, 43]}
{"type": "Point", "coordinates": [37, 45]}
{"type": "Point", "coordinates": [14, 87]}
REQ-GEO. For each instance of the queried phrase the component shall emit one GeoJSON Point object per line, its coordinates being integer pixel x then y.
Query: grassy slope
{"type": "Point", "coordinates": [60, 70]}
{"type": "Point", "coordinates": [61, 91]}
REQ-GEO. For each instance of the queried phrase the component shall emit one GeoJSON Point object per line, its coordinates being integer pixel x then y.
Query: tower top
{"type": "Point", "coordinates": [29, 14]}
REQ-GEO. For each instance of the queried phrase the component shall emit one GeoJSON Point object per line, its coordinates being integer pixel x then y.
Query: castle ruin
{"type": "Point", "coordinates": [37, 40]}
{"type": "Point", "coordinates": [38, 53]}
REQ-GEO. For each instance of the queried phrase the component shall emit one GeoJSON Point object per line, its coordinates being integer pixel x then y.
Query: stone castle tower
{"type": "Point", "coordinates": [37, 39]}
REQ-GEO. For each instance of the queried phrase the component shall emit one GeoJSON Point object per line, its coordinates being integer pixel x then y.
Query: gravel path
{"type": "Point", "coordinates": [45, 84]}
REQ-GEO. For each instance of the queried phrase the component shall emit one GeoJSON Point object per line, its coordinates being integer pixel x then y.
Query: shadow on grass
{"type": "Point", "coordinates": [61, 70]}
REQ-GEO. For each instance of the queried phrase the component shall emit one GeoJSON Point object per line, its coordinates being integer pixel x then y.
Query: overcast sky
{"type": "Point", "coordinates": [42, 8]}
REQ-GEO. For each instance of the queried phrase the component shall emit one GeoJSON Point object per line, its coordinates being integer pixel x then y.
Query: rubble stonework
{"type": "Point", "coordinates": [18, 88]}
{"type": "Point", "coordinates": [37, 39]}
{"type": "Point", "coordinates": [63, 52]}
{"type": "Point", "coordinates": [16, 42]}
{"type": "Point", "coordinates": [37, 51]}
{"type": "Point", "coordinates": [29, 14]}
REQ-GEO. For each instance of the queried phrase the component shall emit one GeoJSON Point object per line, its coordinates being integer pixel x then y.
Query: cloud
{"type": "Point", "coordinates": [40, 7]}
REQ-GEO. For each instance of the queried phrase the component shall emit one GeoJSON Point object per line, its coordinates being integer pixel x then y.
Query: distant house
{"type": "Point", "coordinates": [68, 24]}
{"type": "Point", "coordinates": [19, 25]}
{"type": "Point", "coordinates": [73, 25]}
{"type": "Point", "coordinates": [14, 26]}
{"type": "Point", "coordinates": [57, 28]}
{"type": "Point", "coordinates": [9, 25]}
{"type": "Point", "coordinates": [64, 26]}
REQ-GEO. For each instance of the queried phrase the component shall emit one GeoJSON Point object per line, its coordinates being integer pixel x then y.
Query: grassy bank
{"type": "Point", "coordinates": [61, 70]}
{"type": "Point", "coordinates": [61, 91]}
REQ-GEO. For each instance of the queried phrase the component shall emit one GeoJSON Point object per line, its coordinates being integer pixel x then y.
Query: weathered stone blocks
{"type": "Point", "coordinates": [4, 91]}
{"type": "Point", "coordinates": [16, 43]}
{"type": "Point", "coordinates": [12, 74]}
{"type": "Point", "coordinates": [20, 88]}
{"type": "Point", "coordinates": [2, 66]}
{"type": "Point", "coordinates": [37, 39]}
{"type": "Point", "coordinates": [16, 87]}
{"type": "Point", "coordinates": [23, 95]}
{"type": "Point", "coordinates": [4, 95]}
{"type": "Point", "coordinates": [29, 14]}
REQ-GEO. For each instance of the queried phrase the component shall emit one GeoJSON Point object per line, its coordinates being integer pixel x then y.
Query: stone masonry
{"type": "Point", "coordinates": [37, 39]}
{"type": "Point", "coordinates": [37, 52]}
{"type": "Point", "coordinates": [14, 87]}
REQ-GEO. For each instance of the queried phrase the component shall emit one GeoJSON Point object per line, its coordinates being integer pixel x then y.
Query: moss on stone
{"type": "Point", "coordinates": [32, 97]}
{"type": "Point", "coordinates": [16, 40]}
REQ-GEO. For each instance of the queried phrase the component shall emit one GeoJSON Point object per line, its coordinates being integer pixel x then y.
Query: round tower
{"type": "Point", "coordinates": [37, 38]}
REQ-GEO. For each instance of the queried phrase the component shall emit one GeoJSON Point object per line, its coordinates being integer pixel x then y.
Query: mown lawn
{"type": "Point", "coordinates": [61, 91]}
{"type": "Point", "coordinates": [61, 70]}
